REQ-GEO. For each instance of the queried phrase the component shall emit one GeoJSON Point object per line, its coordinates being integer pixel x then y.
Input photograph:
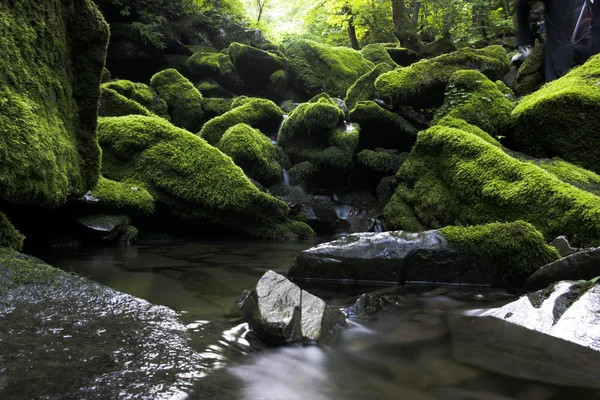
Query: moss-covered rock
{"type": "Point", "coordinates": [402, 56]}
{"type": "Point", "coordinates": [472, 97]}
{"type": "Point", "coordinates": [210, 88]}
{"type": "Point", "coordinates": [315, 132]}
{"type": "Point", "coordinates": [438, 47]}
{"type": "Point", "coordinates": [253, 152]}
{"type": "Point", "coordinates": [517, 245]}
{"type": "Point", "coordinates": [382, 128]}
{"type": "Point", "coordinates": [9, 236]}
{"type": "Point", "coordinates": [562, 118]}
{"type": "Point", "coordinates": [202, 65]}
{"type": "Point", "coordinates": [215, 107]}
{"type": "Point", "coordinates": [377, 54]}
{"type": "Point", "coordinates": [191, 179]}
{"type": "Point", "coordinates": [364, 87]}
{"type": "Point", "coordinates": [113, 104]}
{"type": "Point", "coordinates": [50, 72]}
{"type": "Point", "coordinates": [302, 173]}
{"type": "Point", "coordinates": [122, 197]}
{"type": "Point", "coordinates": [317, 67]}
{"type": "Point", "coordinates": [380, 161]}
{"type": "Point", "coordinates": [142, 94]}
{"type": "Point", "coordinates": [422, 85]}
{"type": "Point", "coordinates": [183, 100]}
{"type": "Point", "coordinates": [531, 75]}
{"type": "Point", "coordinates": [463, 125]}
{"type": "Point", "coordinates": [453, 177]}
{"type": "Point", "coordinates": [260, 114]}
{"type": "Point", "coordinates": [254, 66]}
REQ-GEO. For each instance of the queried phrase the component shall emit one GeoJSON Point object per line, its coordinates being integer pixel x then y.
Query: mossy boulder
{"type": "Point", "coordinates": [253, 152]}
{"type": "Point", "coordinates": [463, 125]}
{"type": "Point", "coordinates": [142, 94]}
{"type": "Point", "coordinates": [562, 118]}
{"type": "Point", "coordinates": [9, 236]}
{"type": "Point", "coordinates": [472, 97]}
{"type": "Point", "coordinates": [402, 56]}
{"type": "Point", "coordinates": [531, 74]}
{"type": "Point", "coordinates": [364, 87]}
{"type": "Point", "coordinates": [114, 104]}
{"type": "Point", "coordinates": [260, 114]}
{"type": "Point", "coordinates": [453, 177]}
{"type": "Point", "coordinates": [317, 67]}
{"type": "Point", "coordinates": [377, 54]}
{"type": "Point", "coordinates": [438, 47]}
{"type": "Point", "coordinates": [183, 100]}
{"type": "Point", "coordinates": [315, 132]}
{"type": "Point", "coordinates": [382, 128]}
{"type": "Point", "coordinates": [202, 65]}
{"type": "Point", "coordinates": [215, 107]}
{"type": "Point", "coordinates": [210, 88]}
{"type": "Point", "coordinates": [128, 198]}
{"type": "Point", "coordinates": [422, 85]}
{"type": "Point", "coordinates": [374, 165]}
{"type": "Point", "coordinates": [255, 67]}
{"type": "Point", "coordinates": [194, 181]}
{"type": "Point", "coordinates": [302, 173]}
{"type": "Point", "coordinates": [50, 73]}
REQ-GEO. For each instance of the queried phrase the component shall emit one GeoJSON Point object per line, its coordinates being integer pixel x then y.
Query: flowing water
{"type": "Point", "coordinates": [405, 352]}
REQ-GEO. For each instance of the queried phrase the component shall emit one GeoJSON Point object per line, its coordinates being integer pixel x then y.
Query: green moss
{"type": "Point", "coordinates": [18, 269]}
{"type": "Point", "coordinates": [212, 89]}
{"type": "Point", "coordinates": [377, 54]}
{"type": "Point", "coordinates": [254, 66]}
{"type": "Point", "coordinates": [517, 245]}
{"type": "Point", "coordinates": [142, 94]}
{"type": "Point", "coordinates": [562, 118]}
{"type": "Point", "coordinates": [113, 104]}
{"type": "Point", "coordinates": [463, 125]}
{"type": "Point", "coordinates": [278, 76]}
{"type": "Point", "coordinates": [453, 177]}
{"type": "Point", "coordinates": [531, 75]}
{"type": "Point", "coordinates": [364, 87]}
{"type": "Point", "coordinates": [422, 84]}
{"type": "Point", "coordinates": [379, 161]}
{"type": "Point", "coordinates": [184, 101]}
{"type": "Point", "coordinates": [472, 97]}
{"type": "Point", "coordinates": [571, 174]}
{"type": "Point", "coordinates": [302, 173]}
{"type": "Point", "coordinates": [51, 68]}
{"type": "Point", "coordinates": [261, 114]}
{"type": "Point", "coordinates": [253, 152]}
{"type": "Point", "coordinates": [402, 56]}
{"type": "Point", "coordinates": [320, 68]}
{"type": "Point", "coordinates": [123, 197]}
{"type": "Point", "coordinates": [190, 178]}
{"type": "Point", "coordinates": [506, 91]}
{"type": "Point", "coordinates": [382, 128]}
{"type": "Point", "coordinates": [400, 215]}
{"type": "Point", "coordinates": [218, 66]}
{"type": "Point", "coordinates": [215, 107]}
{"type": "Point", "coordinates": [240, 101]}
{"type": "Point", "coordinates": [9, 235]}
{"type": "Point", "coordinates": [385, 190]}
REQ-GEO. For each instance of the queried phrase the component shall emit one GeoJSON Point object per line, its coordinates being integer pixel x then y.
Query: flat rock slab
{"type": "Point", "coordinates": [581, 265]}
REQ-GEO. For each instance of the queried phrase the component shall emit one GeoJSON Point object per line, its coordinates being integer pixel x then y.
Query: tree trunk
{"type": "Point", "coordinates": [260, 11]}
{"type": "Point", "coordinates": [415, 16]}
{"type": "Point", "coordinates": [403, 27]}
{"type": "Point", "coordinates": [352, 34]}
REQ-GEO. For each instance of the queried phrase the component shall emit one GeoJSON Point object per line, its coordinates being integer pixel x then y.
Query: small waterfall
{"type": "Point", "coordinates": [377, 226]}
{"type": "Point", "coordinates": [285, 177]}
{"type": "Point", "coordinates": [349, 126]}
{"type": "Point", "coordinates": [274, 139]}
{"type": "Point", "coordinates": [343, 211]}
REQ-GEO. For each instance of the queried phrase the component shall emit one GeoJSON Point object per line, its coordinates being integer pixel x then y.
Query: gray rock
{"type": "Point", "coordinates": [582, 265]}
{"type": "Point", "coordinates": [550, 336]}
{"type": "Point", "coordinates": [106, 227]}
{"type": "Point", "coordinates": [280, 312]}
{"type": "Point", "coordinates": [563, 246]}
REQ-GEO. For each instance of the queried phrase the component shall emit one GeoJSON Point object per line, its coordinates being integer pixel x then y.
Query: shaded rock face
{"type": "Point", "coordinates": [94, 342]}
{"type": "Point", "coordinates": [280, 312]}
{"type": "Point", "coordinates": [542, 336]}
{"type": "Point", "coordinates": [582, 265]}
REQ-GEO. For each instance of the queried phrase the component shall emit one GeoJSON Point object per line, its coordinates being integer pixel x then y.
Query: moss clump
{"type": "Point", "coordinates": [253, 152]}
{"type": "Point", "coordinates": [124, 197]}
{"type": "Point", "coordinates": [380, 161]}
{"type": "Point", "coordinates": [571, 174]}
{"type": "Point", "coordinates": [202, 65]}
{"type": "Point", "coordinates": [472, 97]}
{"type": "Point", "coordinates": [382, 128]}
{"type": "Point", "coordinates": [215, 107]}
{"type": "Point", "coordinates": [212, 89]}
{"type": "Point", "coordinates": [184, 101]}
{"type": "Point", "coordinates": [113, 104]}
{"type": "Point", "coordinates": [142, 94]}
{"type": "Point", "coordinates": [317, 67]}
{"type": "Point", "coordinates": [453, 177]}
{"type": "Point", "coordinates": [422, 84]}
{"type": "Point", "coordinates": [463, 125]}
{"type": "Point", "coordinates": [517, 245]}
{"type": "Point", "coordinates": [315, 132]}
{"type": "Point", "coordinates": [51, 67]}
{"type": "Point", "coordinates": [385, 190]}
{"type": "Point", "coordinates": [377, 54]}
{"type": "Point", "coordinates": [18, 269]}
{"type": "Point", "coordinates": [9, 235]}
{"type": "Point", "coordinates": [254, 66]}
{"type": "Point", "coordinates": [531, 74]}
{"type": "Point", "coordinates": [402, 56]}
{"type": "Point", "coordinates": [562, 118]}
{"type": "Point", "coordinates": [191, 179]}
{"type": "Point", "coordinates": [260, 114]}
{"type": "Point", "coordinates": [364, 87]}
{"type": "Point", "coordinates": [302, 173]}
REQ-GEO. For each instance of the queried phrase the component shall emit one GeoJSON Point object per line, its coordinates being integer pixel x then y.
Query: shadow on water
{"type": "Point", "coordinates": [423, 346]}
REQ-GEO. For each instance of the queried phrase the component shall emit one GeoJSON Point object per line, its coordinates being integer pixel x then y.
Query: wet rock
{"type": "Point", "coordinates": [563, 246]}
{"type": "Point", "coordinates": [549, 336]}
{"type": "Point", "coordinates": [448, 393]}
{"type": "Point", "coordinates": [94, 342]}
{"type": "Point", "coordinates": [280, 312]}
{"type": "Point", "coordinates": [107, 227]}
{"type": "Point", "coordinates": [288, 106]}
{"type": "Point", "coordinates": [582, 265]}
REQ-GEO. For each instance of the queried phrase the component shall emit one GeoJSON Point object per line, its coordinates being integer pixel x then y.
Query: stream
{"type": "Point", "coordinates": [403, 352]}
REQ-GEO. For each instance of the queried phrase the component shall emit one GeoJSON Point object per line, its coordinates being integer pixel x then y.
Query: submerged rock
{"type": "Point", "coordinates": [495, 254]}
{"type": "Point", "coordinates": [280, 312]}
{"type": "Point", "coordinates": [93, 342]}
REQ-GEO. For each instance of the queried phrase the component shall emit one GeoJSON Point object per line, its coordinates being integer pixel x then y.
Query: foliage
{"type": "Point", "coordinates": [9, 235]}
